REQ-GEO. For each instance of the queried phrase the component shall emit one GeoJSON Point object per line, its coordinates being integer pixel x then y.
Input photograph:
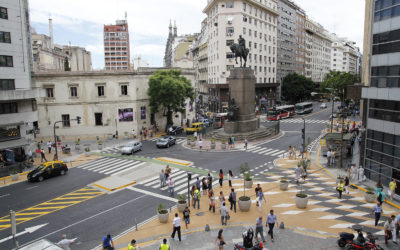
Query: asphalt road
{"type": "Point", "coordinates": [114, 213]}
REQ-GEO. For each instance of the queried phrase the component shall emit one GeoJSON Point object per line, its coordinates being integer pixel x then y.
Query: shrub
{"type": "Point", "coordinates": [213, 140]}
{"type": "Point", "coordinates": [125, 133]}
{"type": "Point", "coordinates": [223, 141]}
{"type": "Point", "coordinates": [370, 190]}
{"type": "Point", "coordinates": [244, 198]}
{"type": "Point", "coordinates": [77, 142]}
{"type": "Point", "coordinates": [181, 197]}
{"type": "Point", "coordinates": [161, 209]}
{"type": "Point", "coordinates": [99, 142]}
{"type": "Point", "coordinates": [301, 195]}
{"type": "Point", "coordinates": [14, 171]}
{"type": "Point", "coordinates": [87, 149]}
{"type": "Point", "coordinates": [284, 179]}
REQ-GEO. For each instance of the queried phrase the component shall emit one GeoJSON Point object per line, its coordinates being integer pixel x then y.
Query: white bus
{"type": "Point", "coordinates": [304, 108]}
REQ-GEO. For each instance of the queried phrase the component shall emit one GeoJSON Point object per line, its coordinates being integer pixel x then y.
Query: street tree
{"type": "Point", "coordinates": [297, 87]}
{"type": "Point", "coordinates": [168, 90]}
{"type": "Point", "coordinates": [338, 82]}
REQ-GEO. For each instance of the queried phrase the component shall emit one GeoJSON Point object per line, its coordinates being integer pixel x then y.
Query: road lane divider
{"type": "Point", "coordinates": [51, 206]}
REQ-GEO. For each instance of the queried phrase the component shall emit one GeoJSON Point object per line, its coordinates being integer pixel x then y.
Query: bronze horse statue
{"type": "Point", "coordinates": [241, 52]}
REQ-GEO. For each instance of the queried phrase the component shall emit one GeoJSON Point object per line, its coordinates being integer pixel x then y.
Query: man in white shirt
{"type": "Point", "coordinates": [224, 214]}
{"type": "Point", "coordinates": [65, 243]}
{"type": "Point", "coordinates": [176, 227]}
{"type": "Point", "coordinates": [49, 146]}
{"type": "Point", "coordinates": [200, 144]}
{"type": "Point", "coordinates": [171, 186]}
{"type": "Point", "coordinates": [328, 156]}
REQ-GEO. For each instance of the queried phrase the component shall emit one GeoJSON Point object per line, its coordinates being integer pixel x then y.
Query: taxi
{"type": "Point", "coordinates": [47, 170]}
{"type": "Point", "coordinates": [196, 127]}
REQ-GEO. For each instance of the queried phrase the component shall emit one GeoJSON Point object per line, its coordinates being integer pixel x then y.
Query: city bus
{"type": "Point", "coordinates": [219, 120]}
{"type": "Point", "coordinates": [304, 108]}
{"type": "Point", "coordinates": [280, 112]}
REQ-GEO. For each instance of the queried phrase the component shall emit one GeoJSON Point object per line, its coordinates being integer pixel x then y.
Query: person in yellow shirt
{"type": "Point", "coordinates": [164, 245]}
{"type": "Point", "coordinates": [392, 188]}
{"type": "Point", "coordinates": [340, 188]}
{"type": "Point", "coordinates": [132, 245]}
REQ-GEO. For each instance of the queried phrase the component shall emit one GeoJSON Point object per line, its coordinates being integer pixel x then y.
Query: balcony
{"type": "Point", "coordinates": [21, 94]}
{"type": "Point", "coordinates": [18, 118]}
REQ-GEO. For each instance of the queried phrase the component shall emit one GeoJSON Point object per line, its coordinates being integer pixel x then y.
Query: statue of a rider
{"type": "Point", "coordinates": [242, 44]}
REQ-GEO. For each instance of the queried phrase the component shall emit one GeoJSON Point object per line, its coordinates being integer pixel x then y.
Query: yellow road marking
{"type": "Point", "coordinates": [43, 208]}
{"type": "Point", "coordinates": [32, 213]}
{"type": "Point", "coordinates": [83, 193]}
{"type": "Point", "coordinates": [74, 198]}
{"type": "Point", "coordinates": [61, 202]}
{"type": "Point", "coordinates": [18, 219]}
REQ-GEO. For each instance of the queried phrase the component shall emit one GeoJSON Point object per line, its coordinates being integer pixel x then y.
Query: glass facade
{"type": "Point", "coordinates": [384, 110]}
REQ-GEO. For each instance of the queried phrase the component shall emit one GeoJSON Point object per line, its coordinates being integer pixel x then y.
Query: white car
{"type": "Point", "coordinates": [323, 106]}
{"type": "Point", "coordinates": [131, 147]}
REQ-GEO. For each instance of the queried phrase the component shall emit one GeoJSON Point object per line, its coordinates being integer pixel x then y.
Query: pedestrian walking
{"type": "Point", "coordinates": [246, 142]}
{"type": "Point", "coordinates": [164, 245]}
{"type": "Point", "coordinates": [221, 177]}
{"type": "Point", "coordinates": [224, 214]}
{"type": "Point", "coordinates": [221, 198]}
{"type": "Point", "coordinates": [346, 185]}
{"type": "Point", "coordinates": [176, 227]}
{"type": "Point", "coordinates": [397, 222]}
{"type": "Point", "coordinates": [171, 186]}
{"type": "Point", "coordinates": [333, 155]}
{"type": "Point", "coordinates": [360, 174]}
{"type": "Point", "coordinates": [259, 228]}
{"type": "Point", "coordinates": [133, 134]}
{"type": "Point", "coordinates": [198, 183]}
{"type": "Point", "coordinates": [220, 240]}
{"type": "Point", "coordinates": [290, 152]}
{"type": "Point", "coordinates": [209, 180]}
{"type": "Point", "coordinates": [212, 201]}
{"type": "Point", "coordinates": [354, 174]}
{"type": "Point", "coordinates": [43, 157]}
{"type": "Point", "coordinates": [256, 190]}
{"type": "Point", "coordinates": [392, 188]}
{"type": "Point", "coordinates": [49, 145]}
{"type": "Point", "coordinates": [167, 172]}
{"type": "Point", "coordinates": [65, 243]}
{"type": "Point", "coordinates": [132, 245]}
{"type": "Point", "coordinates": [381, 196]}
{"type": "Point", "coordinates": [328, 156]}
{"type": "Point", "coordinates": [107, 243]}
{"type": "Point", "coordinates": [298, 173]}
{"type": "Point", "coordinates": [196, 198]}
{"type": "Point", "coordinates": [230, 142]}
{"type": "Point", "coordinates": [200, 144]}
{"type": "Point", "coordinates": [186, 216]}
{"type": "Point", "coordinates": [30, 156]}
{"type": "Point", "coordinates": [271, 220]}
{"type": "Point", "coordinates": [294, 152]}
{"type": "Point", "coordinates": [377, 211]}
{"type": "Point", "coordinates": [204, 184]}
{"type": "Point", "coordinates": [230, 176]}
{"type": "Point", "coordinates": [261, 199]}
{"type": "Point", "coordinates": [162, 178]}
{"type": "Point", "coordinates": [233, 142]}
{"type": "Point", "coordinates": [389, 227]}
{"type": "Point", "coordinates": [340, 188]}
{"type": "Point", "coordinates": [232, 199]}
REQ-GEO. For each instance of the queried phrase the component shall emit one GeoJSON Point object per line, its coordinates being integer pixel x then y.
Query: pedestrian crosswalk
{"type": "Point", "coordinates": [264, 151]}
{"type": "Point", "coordinates": [290, 120]}
{"type": "Point", "coordinates": [111, 166]}
{"type": "Point", "coordinates": [178, 140]}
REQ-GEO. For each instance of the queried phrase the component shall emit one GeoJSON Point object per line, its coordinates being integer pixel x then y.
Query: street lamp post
{"type": "Point", "coordinates": [78, 119]}
{"type": "Point", "coordinates": [303, 135]}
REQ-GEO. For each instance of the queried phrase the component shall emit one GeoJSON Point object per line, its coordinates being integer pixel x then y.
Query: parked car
{"type": "Point", "coordinates": [176, 130]}
{"type": "Point", "coordinates": [47, 170]}
{"type": "Point", "coordinates": [323, 106]}
{"type": "Point", "coordinates": [166, 142]}
{"type": "Point", "coordinates": [131, 147]}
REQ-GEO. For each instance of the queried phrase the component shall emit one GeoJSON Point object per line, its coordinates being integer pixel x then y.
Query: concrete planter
{"type": "Point", "coordinates": [213, 145]}
{"type": "Point", "coordinates": [301, 200]}
{"type": "Point", "coordinates": [77, 147]}
{"type": "Point", "coordinates": [369, 197]}
{"type": "Point", "coordinates": [163, 218]}
{"type": "Point", "coordinates": [100, 146]}
{"type": "Point", "coordinates": [223, 145]}
{"type": "Point", "coordinates": [284, 185]}
{"type": "Point", "coordinates": [248, 184]}
{"type": "Point", "coordinates": [14, 177]}
{"type": "Point", "coordinates": [110, 136]}
{"type": "Point", "coordinates": [244, 203]}
{"type": "Point", "coordinates": [181, 205]}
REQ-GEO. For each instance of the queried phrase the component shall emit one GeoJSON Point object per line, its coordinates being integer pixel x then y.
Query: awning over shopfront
{"type": "Point", "coordinates": [13, 144]}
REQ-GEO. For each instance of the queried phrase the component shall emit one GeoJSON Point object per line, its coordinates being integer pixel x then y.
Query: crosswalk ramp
{"type": "Point", "coordinates": [180, 178]}
{"type": "Point", "coordinates": [264, 151]}
{"type": "Point", "coordinates": [111, 166]}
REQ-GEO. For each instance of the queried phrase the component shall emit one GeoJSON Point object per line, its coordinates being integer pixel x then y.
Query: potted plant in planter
{"type": "Point", "coordinates": [248, 181]}
{"type": "Point", "coordinates": [14, 174]}
{"type": "Point", "coordinates": [213, 140]}
{"type": "Point", "coordinates": [182, 203]}
{"type": "Point", "coordinates": [163, 214]}
{"type": "Point", "coordinates": [77, 144]}
{"type": "Point", "coordinates": [223, 144]}
{"type": "Point", "coordinates": [284, 184]}
{"type": "Point", "coordinates": [244, 201]}
{"type": "Point", "coordinates": [301, 199]}
{"type": "Point", "coordinates": [191, 140]}
{"type": "Point", "coordinates": [126, 134]}
{"type": "Point", "coordinates": [87, 151]}
{"type": "Point", "coordinates": [370, 195]}
{"type": "Point", "coordinates": [99, 144]}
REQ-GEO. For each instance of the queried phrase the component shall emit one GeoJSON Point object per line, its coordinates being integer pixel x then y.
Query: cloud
{"type": "Point", "coordinates": [149, 50]}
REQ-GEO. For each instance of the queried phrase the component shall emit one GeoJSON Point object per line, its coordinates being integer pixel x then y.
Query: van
{"type": "Point", "coordinates": [197, 126]}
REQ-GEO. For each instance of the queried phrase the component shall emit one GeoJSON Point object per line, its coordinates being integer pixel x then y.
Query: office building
{"type": "Point", "coordinates": [116, 46]}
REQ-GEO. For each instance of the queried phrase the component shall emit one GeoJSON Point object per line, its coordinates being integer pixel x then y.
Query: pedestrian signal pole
{"type": "Point", "coordinates": [189, 178]}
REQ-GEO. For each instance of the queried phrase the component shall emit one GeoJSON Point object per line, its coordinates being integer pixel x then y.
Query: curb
{"type": "Point", "coordinates": [20, 174]}
{"type": "Point", "coordinates": [175, 162]}
{"type": "Point", "coordinates": [113, 189]}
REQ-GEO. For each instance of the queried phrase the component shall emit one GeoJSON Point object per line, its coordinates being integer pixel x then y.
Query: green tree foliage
{"type": "Point", "coordinates": [168, 91]}
{"type": "Point", "coordinates": [338, 82]}
{"type": "Point", "coordinates": [297, 87]}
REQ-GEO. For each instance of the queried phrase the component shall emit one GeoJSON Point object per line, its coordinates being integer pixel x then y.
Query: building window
{"type": "Point", "coordinates": [244, 31]}
{"type": "Point", "coordinates": [65, 120]}
{"type": "Point", "coordinates": [143, 113]}
{"type": "Point", "coordinates": [229, 4]}
{"type": "Point", "coordinates": [73, 91]}
{"type": "Point", "coordinates": [6, 61]}
{"type": "Point", "coordinates": [7, 84]}
{"type": "Point", "coordinates": [49, 92]}
{"type": "Point", "coordinates": [8, 108]}
{"type": "Point", "coordinates": [3, 13]}
{"type": "Point", "coordinates": [5, 37]}
{"type": "Point", "coordinates": [124, 89]}
{"type": "Point", "coordinates": [229, 31]}
{"type": "Point", "coordinates": [244, 7]}
{"type": "Point", "coordinates": [100, 90]}
{"type": "Point", "coordinates": [98, 118]}
{"type": "Point", "coordinates": [229, 42]}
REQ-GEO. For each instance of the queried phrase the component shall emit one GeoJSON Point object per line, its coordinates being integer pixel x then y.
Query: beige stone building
{"type": "Point", "coordinates": [109, 102]}
{"type": "Point", "coordinates": [301, 42]}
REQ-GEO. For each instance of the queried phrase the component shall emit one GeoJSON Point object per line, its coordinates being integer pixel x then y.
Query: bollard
{"type": "Point", "coordinates": [136, 225]}
{"type": "Point", "coordinates": [207, 228]}
{"type": "Point", "coordinates": [282, 226]}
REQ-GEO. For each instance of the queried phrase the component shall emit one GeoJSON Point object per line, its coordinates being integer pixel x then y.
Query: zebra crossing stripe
{"type": "Point", "coordinates": [157, 178]}
{"type": "Point", "coordinates": [90, 163]}
{"type": "Point", "coordinates": [109, 167]}
{"type": "Point", "coordinates": [130, 168]}
{"type": "Point", "coordinates": [182, 180]}
{"type": "Point", "coordinates": [278, 153]}
{"type": "Point", "coordinates": [109, 171]}
{"type": "Point", "coordinates": [105, 165]}
{"type": "Point", "coordinates": [183, 188]}
{"type": "Point", "coordinates": [257, 150]}
{"type": "Point", "coordinates": [265, 151]}
{"type": "Point", "coordinates": [101, 163]}
{"type": "Point", "coordinates": [272, 152]}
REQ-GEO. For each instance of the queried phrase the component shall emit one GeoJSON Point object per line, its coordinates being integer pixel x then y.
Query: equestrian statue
{"type": "Point", "coordinates": [240, 50]}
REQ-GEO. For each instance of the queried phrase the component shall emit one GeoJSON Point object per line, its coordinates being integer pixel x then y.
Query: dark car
{"type": "Point", "coordinates": [176, 130]}
{"type": "Point", "coordinates": [166, 141]}
{"type": "Point", "coordinates": [47, 170]}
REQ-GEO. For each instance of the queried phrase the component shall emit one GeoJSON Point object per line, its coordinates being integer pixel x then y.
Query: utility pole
{"type": "Point", "coordinates": [188, 197]}
{"type": "Point", "coordinates": [341, 142]}
{"type": "Point", "coordinates": [303, 136]}
{"type": "Point", "coordinates": [13, 223]}
{"type": "Point", "coordinates": [78, 119]}
{"type": "Point", "coordinates": [333, 104]}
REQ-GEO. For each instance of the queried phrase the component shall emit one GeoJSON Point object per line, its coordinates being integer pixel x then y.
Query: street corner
{"type": "Point", "coordinates": [179, 162]}
{"type": "Point", "coordinates": [113, 183]}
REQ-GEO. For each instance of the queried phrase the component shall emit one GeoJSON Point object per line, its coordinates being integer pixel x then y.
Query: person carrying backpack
{"type": "Point", "coordinates": [196, 198]}
{"type": "Point", "coordinates": [186, 216]}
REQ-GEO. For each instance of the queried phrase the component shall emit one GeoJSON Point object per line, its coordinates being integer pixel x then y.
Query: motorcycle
{"type": "Point", "coordinates": [361, 242]}
{"type": "Point", "coordinates": [257, 246]}
{"type": "Point", "coordinates": [345, 238]}
{"type": "Point", "coordinates": [248, 242]}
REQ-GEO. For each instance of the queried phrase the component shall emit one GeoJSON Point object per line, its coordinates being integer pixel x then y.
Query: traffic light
{"type": "Point", "coordinates": [303, 133]}
{"type": "Point", "coordinates": [78, 119]}
{"type": "Point", "coordinates": [189, 176]}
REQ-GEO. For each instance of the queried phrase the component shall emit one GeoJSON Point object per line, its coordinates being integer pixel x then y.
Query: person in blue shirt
{"type": "Point", "coordinates": [108, 243]}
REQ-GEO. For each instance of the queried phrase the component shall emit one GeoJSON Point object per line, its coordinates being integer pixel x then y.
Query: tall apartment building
{"type": "Point", "coordinates": [256, 22]}
{"type": "Point", "coordinates": [382, 115]}
{"type": "Point", "coordinates": [116, 46]}
{"type": "Point", "coordinates": [286, 45]}
{"type": "Point", "coordinates": [301, 42]}
{"type": "Point", "coordinates": [18, 111]}
{"type": "Point", "coordinates": [318, 51]}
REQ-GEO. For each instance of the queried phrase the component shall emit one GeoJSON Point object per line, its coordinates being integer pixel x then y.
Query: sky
{"type": "Point", "coordinates": [81, 22]}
